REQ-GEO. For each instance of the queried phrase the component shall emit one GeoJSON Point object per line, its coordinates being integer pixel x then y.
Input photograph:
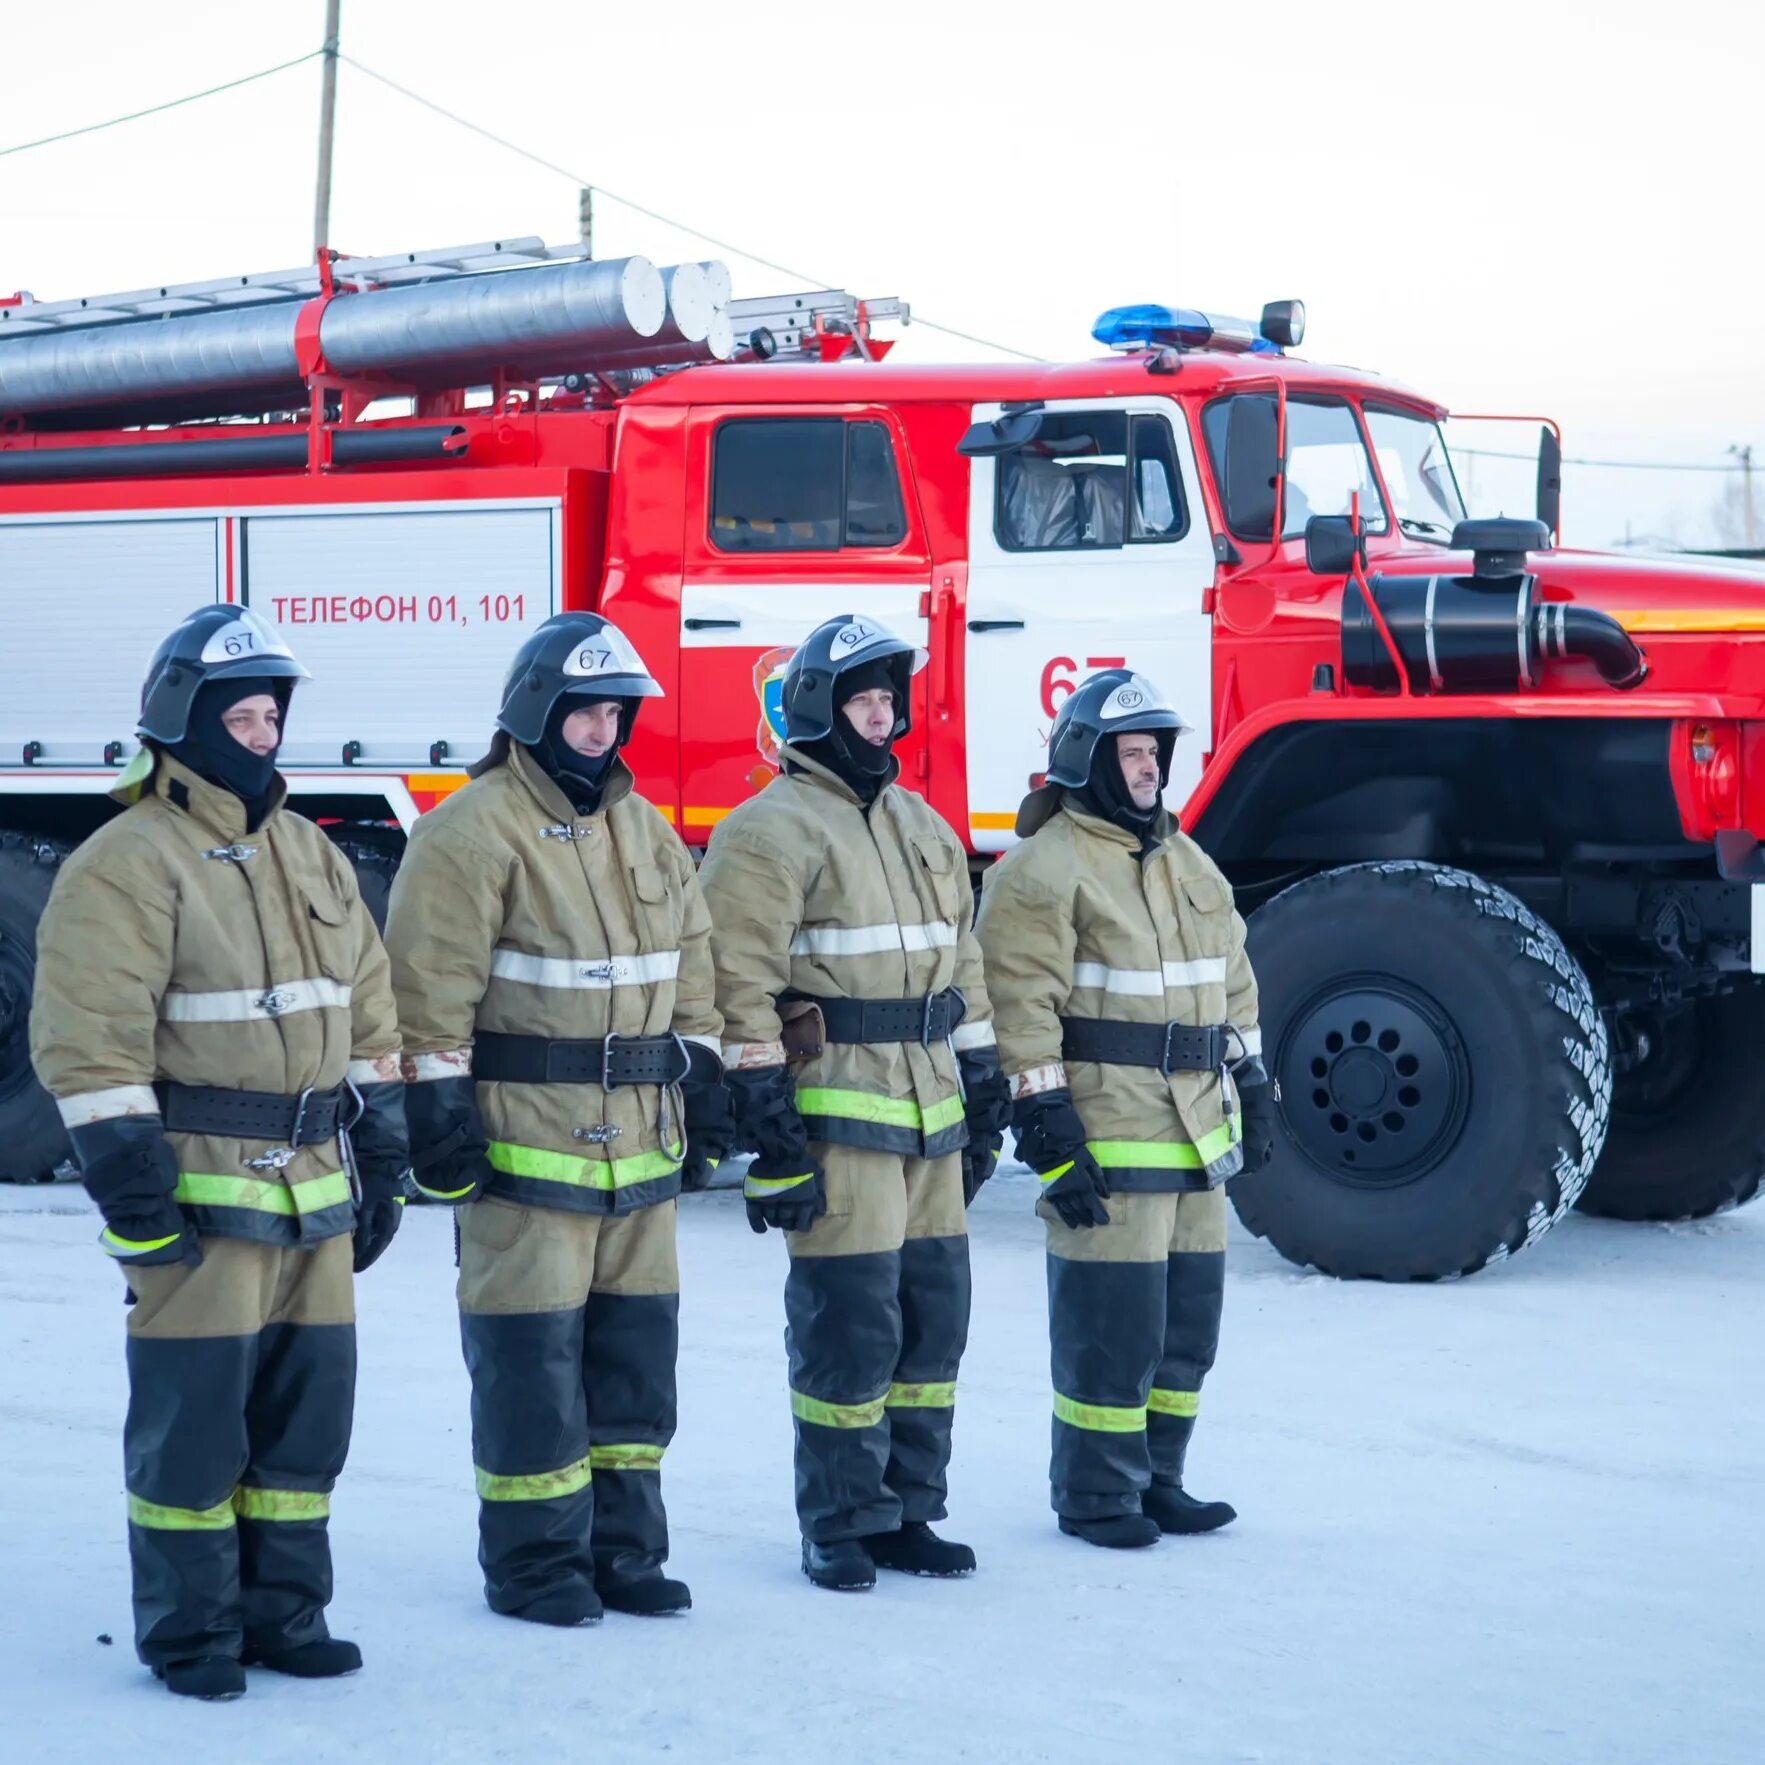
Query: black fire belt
{"type": "Point", "coordinates": [307, 1119]}
{"type": "Point", "coordinates": [932, 1018]}
{"type": "Point", "coordinates": [1168, 1047]}
{"type": "Point", "coordinates": [610, 1062]}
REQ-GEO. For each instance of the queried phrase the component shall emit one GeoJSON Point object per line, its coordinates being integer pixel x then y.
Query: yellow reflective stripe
{"type": "Point", "coordinates": [163, 1519]}
{"type": "Point", "coordinates": [264, 1195]}
{"type": "Point", "coordinates": [1167, 1155]}
{"type": "Point", "coordinates": [837, 1415]}
{"type": "Point", "coordinates": [582, 1173]}
{"type": "Point", "coordinates": [761, 1186]}
{"type": "Point", "coordinates": [634, 1456]}
{"type": "Point", "coordinates": [1099, 1417]}
{"type": "Point", "coordinates": [441, 1194]}
{"type": "Point", "coordinates": [539, 1486]}
{"type": "Point", "coordinates": [280, 1504]}
{"type": "Point", "coordinates": [1174, 1403]}
{"type": "Point", "coordinates": [935, 1394]}
{"type": "Point", "coordinates": [133, 1246]}
{"type": "Point", "coordinates": [1057, 1173]}
{"type": "Point", "coordinates": [866, 1106]}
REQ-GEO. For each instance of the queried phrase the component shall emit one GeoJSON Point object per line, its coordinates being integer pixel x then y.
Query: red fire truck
{"type": "Point", "coordinates": [1492, 806]}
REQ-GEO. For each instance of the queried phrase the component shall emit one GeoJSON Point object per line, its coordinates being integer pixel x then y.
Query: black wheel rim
{"type": "Point", "coordinates": [1375, 1085]}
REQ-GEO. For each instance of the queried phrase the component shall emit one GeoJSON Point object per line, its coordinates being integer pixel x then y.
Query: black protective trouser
{"type": "Point", "coordinates": [876, 1315]}
{"type": "Point", "coordinates": [1134, 1322]}
{"type": "Point", "coordinates": [241, 1393]}
{"type": "Point", "coordinates": [571, 1324]}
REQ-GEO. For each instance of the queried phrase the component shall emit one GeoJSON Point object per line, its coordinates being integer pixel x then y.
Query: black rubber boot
{"type": "Point", "coordinates": [915, 1549]}
{"type": "Point", "coordinates": [650, 1596]}
{"type": "Point", "coordinates": [1117, 1532]}
{"type": "Point", "coordinates": [326, 1657]}
{"type": "Point", "coordinates": [1175, 1510]}
{"type": "Point", "coordinates": [213, 1678]}
{"type": "Point", "coordinates": [565, 1608]}
{"type": "Point", "coordinates": [845, 1565]}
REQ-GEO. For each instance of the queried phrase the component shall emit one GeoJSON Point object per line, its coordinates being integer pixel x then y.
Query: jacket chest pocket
{"type": "Point", "coordinates": [331, 926]}
{"type": "Point", "coordinates": [1205, 909]}
{"type": "Point", "coordinates": [659, 906]}
{"type": "Point", "coordinates": [937, 865]}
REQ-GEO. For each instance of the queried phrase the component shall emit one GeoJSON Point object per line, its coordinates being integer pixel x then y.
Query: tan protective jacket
{"type": "Point", "coordinates": [1075, 924]}
{"type": "Point", "coordinates": [813, 895]}
{"type": "Point", "coordinates": [514, 912]}
{"type": "Point", "coordinates": [178, 946]}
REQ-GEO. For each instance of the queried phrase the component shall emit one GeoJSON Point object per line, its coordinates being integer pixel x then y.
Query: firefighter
{"type": "Point", "coordinates": [1127, 1022]}
{"type": "Point", "coordinates": [860, 1055]}
{"type": "Point", "coordinates": [214, 1017]}
{"type": "Point", "coordinates": [552, 959]}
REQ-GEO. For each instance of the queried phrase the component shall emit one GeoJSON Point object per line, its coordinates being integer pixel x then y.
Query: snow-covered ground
{"type": "Point", "coordinates": [1520, 1517]}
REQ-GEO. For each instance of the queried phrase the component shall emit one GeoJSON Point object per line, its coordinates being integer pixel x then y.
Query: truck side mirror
{"type": "Point", "coordinates": [1332, 546]}
{"type": "Point", "coordinates": [1253, 466]}
{"type": "Point", "coordinates": [1005, 434]}
{"type": "Point", "coordinates": [1550, 481]}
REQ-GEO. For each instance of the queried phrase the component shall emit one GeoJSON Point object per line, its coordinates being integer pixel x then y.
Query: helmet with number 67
{"type": "Point", "coordinates": [216, 642]}
{"type": "Point", "coordinates": [1115, 702]}
{"type": "Point", "coordinates": [576, 655]}
{"type": "Point", "coordinates": [840, 646]}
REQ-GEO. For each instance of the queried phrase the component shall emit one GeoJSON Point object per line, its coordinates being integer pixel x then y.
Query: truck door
{"type": "Point", "coordinates": [792, 517]}
{"type": "Point", "coordinates": [1088, 548]}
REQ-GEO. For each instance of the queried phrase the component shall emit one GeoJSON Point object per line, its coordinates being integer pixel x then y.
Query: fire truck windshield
{"type": "Point", "coordinates": [1418, 473]}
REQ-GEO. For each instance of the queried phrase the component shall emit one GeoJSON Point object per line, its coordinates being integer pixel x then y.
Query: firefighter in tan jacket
{"type": "Point", "coordinates": [1127, 1023]}
{"type": "Point", "coordinates": [212, 1014]}
{"type": "Point", "coordinates": [552, 959]}
{"type": "Point", "coordinates": [842, 910]}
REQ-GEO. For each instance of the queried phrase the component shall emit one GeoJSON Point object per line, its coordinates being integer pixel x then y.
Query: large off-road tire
{"type": "Point", "coordinates": [1443, 1070]}
{"type": "Point", "coordinates": [1688, 1120]}
{"type": "Point", "coordinates": [32, 1139]}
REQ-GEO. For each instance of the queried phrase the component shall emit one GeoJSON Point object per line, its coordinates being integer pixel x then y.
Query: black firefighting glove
{"type": "Point", "coordinates": [449, 1153]}
{"type": "Point", "coordinates": [380, 1146]}
{"type": "Point", "coordinates": [130, 1170]}
{"type": "Point", "coordinates": [986, 1103]}
{"type": "Point", "coordinates": [710, 1117]}
{"type": "Point", "coordinates": [786, 1187]}
{"type": "Point", "coordinates": [1258, 1102]}
{"type": "Point", "coordinates": [1051, 1141]}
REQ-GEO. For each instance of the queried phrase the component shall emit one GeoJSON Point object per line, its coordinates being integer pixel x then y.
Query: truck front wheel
{"type": "Point", "coordinates": [1688, 1113]}
{"type": "Point", "coordinates": [32, 1139]}
{"type": "Point", "coordinates": [1443, 1071]}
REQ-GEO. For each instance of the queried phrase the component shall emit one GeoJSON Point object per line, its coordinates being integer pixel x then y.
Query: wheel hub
{"type": "Point", "coordinates": [1374, 1081]}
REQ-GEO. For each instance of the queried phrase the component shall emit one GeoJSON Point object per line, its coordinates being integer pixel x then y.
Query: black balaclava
{"type": "Point", "coordinates": [581, 777]}
{"type": "Point", "coordinates": [863, 765]}
{"type": "Point", "coordinates": [1106, 793]}
{"type": "Point", "coordinates": [213, 752]}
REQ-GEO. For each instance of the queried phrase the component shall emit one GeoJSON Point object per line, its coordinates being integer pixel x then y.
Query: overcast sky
{"type": "Point", "coordinates": [1535, 206]}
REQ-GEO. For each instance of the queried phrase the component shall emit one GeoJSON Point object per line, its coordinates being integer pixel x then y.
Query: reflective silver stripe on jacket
{"type": "Point", "coordinates": [594, 973]}
{"type": "Point", "coordinates": [1150, 983]}
{"type": "Point", "coordinates": [973, 1035]}
{"type": "Point", "coordinates": [249, 1004]}
{"type": "Point", "coordinates": [872, 940]}
{"type": "Point", "coordinates": [97, 1106]}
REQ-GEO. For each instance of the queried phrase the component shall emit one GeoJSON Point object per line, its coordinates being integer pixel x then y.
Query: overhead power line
{"type": "Point", "coordinates": [135, 116]}
{"type": "Point", "coordinates": [679, 226]}
{"type": "Point", "coordinates": [1482, 453]}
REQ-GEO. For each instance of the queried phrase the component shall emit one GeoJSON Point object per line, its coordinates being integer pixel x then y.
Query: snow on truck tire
{"type": "Point", "coordinates": [32, 1139]}
{"type": "Point", "coordinates": [1445, 1073]}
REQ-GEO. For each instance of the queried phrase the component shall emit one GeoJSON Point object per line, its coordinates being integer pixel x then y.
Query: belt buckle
{"type": "Point", "coordinates": [1167, 1059]}
{"type": "Point", "coordinates": [686, 1063]}
{"type": "Point", "coordinates": [607, 1046]}
{"type": "Point", "coordinates": [927, 1007]}
{"type": "Point", "coordinates": [299, 1121]}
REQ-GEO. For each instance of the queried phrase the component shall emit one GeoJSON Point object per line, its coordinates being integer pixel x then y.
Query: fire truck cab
{"type": "Point", "coordinates": [1492, 807]}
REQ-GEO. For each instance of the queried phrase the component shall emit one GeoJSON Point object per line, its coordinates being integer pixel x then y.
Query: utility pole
{"type": "Point", "coordinates": [327, 126]}
{"type": "Point", "coordinates": [585, 217]}
{"type": "Point", "coordinates": [1745, 456]}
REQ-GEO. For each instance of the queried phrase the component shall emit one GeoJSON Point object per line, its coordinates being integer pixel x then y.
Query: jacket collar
{"type": "Point", "coordinates": [153, 772]}
{"type": "Point", "coordinates": [825, 776]}
{"type": "Point", "coordinates": [541, 785]}
{"type": "Point", "coordinates": [1042, 805]}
